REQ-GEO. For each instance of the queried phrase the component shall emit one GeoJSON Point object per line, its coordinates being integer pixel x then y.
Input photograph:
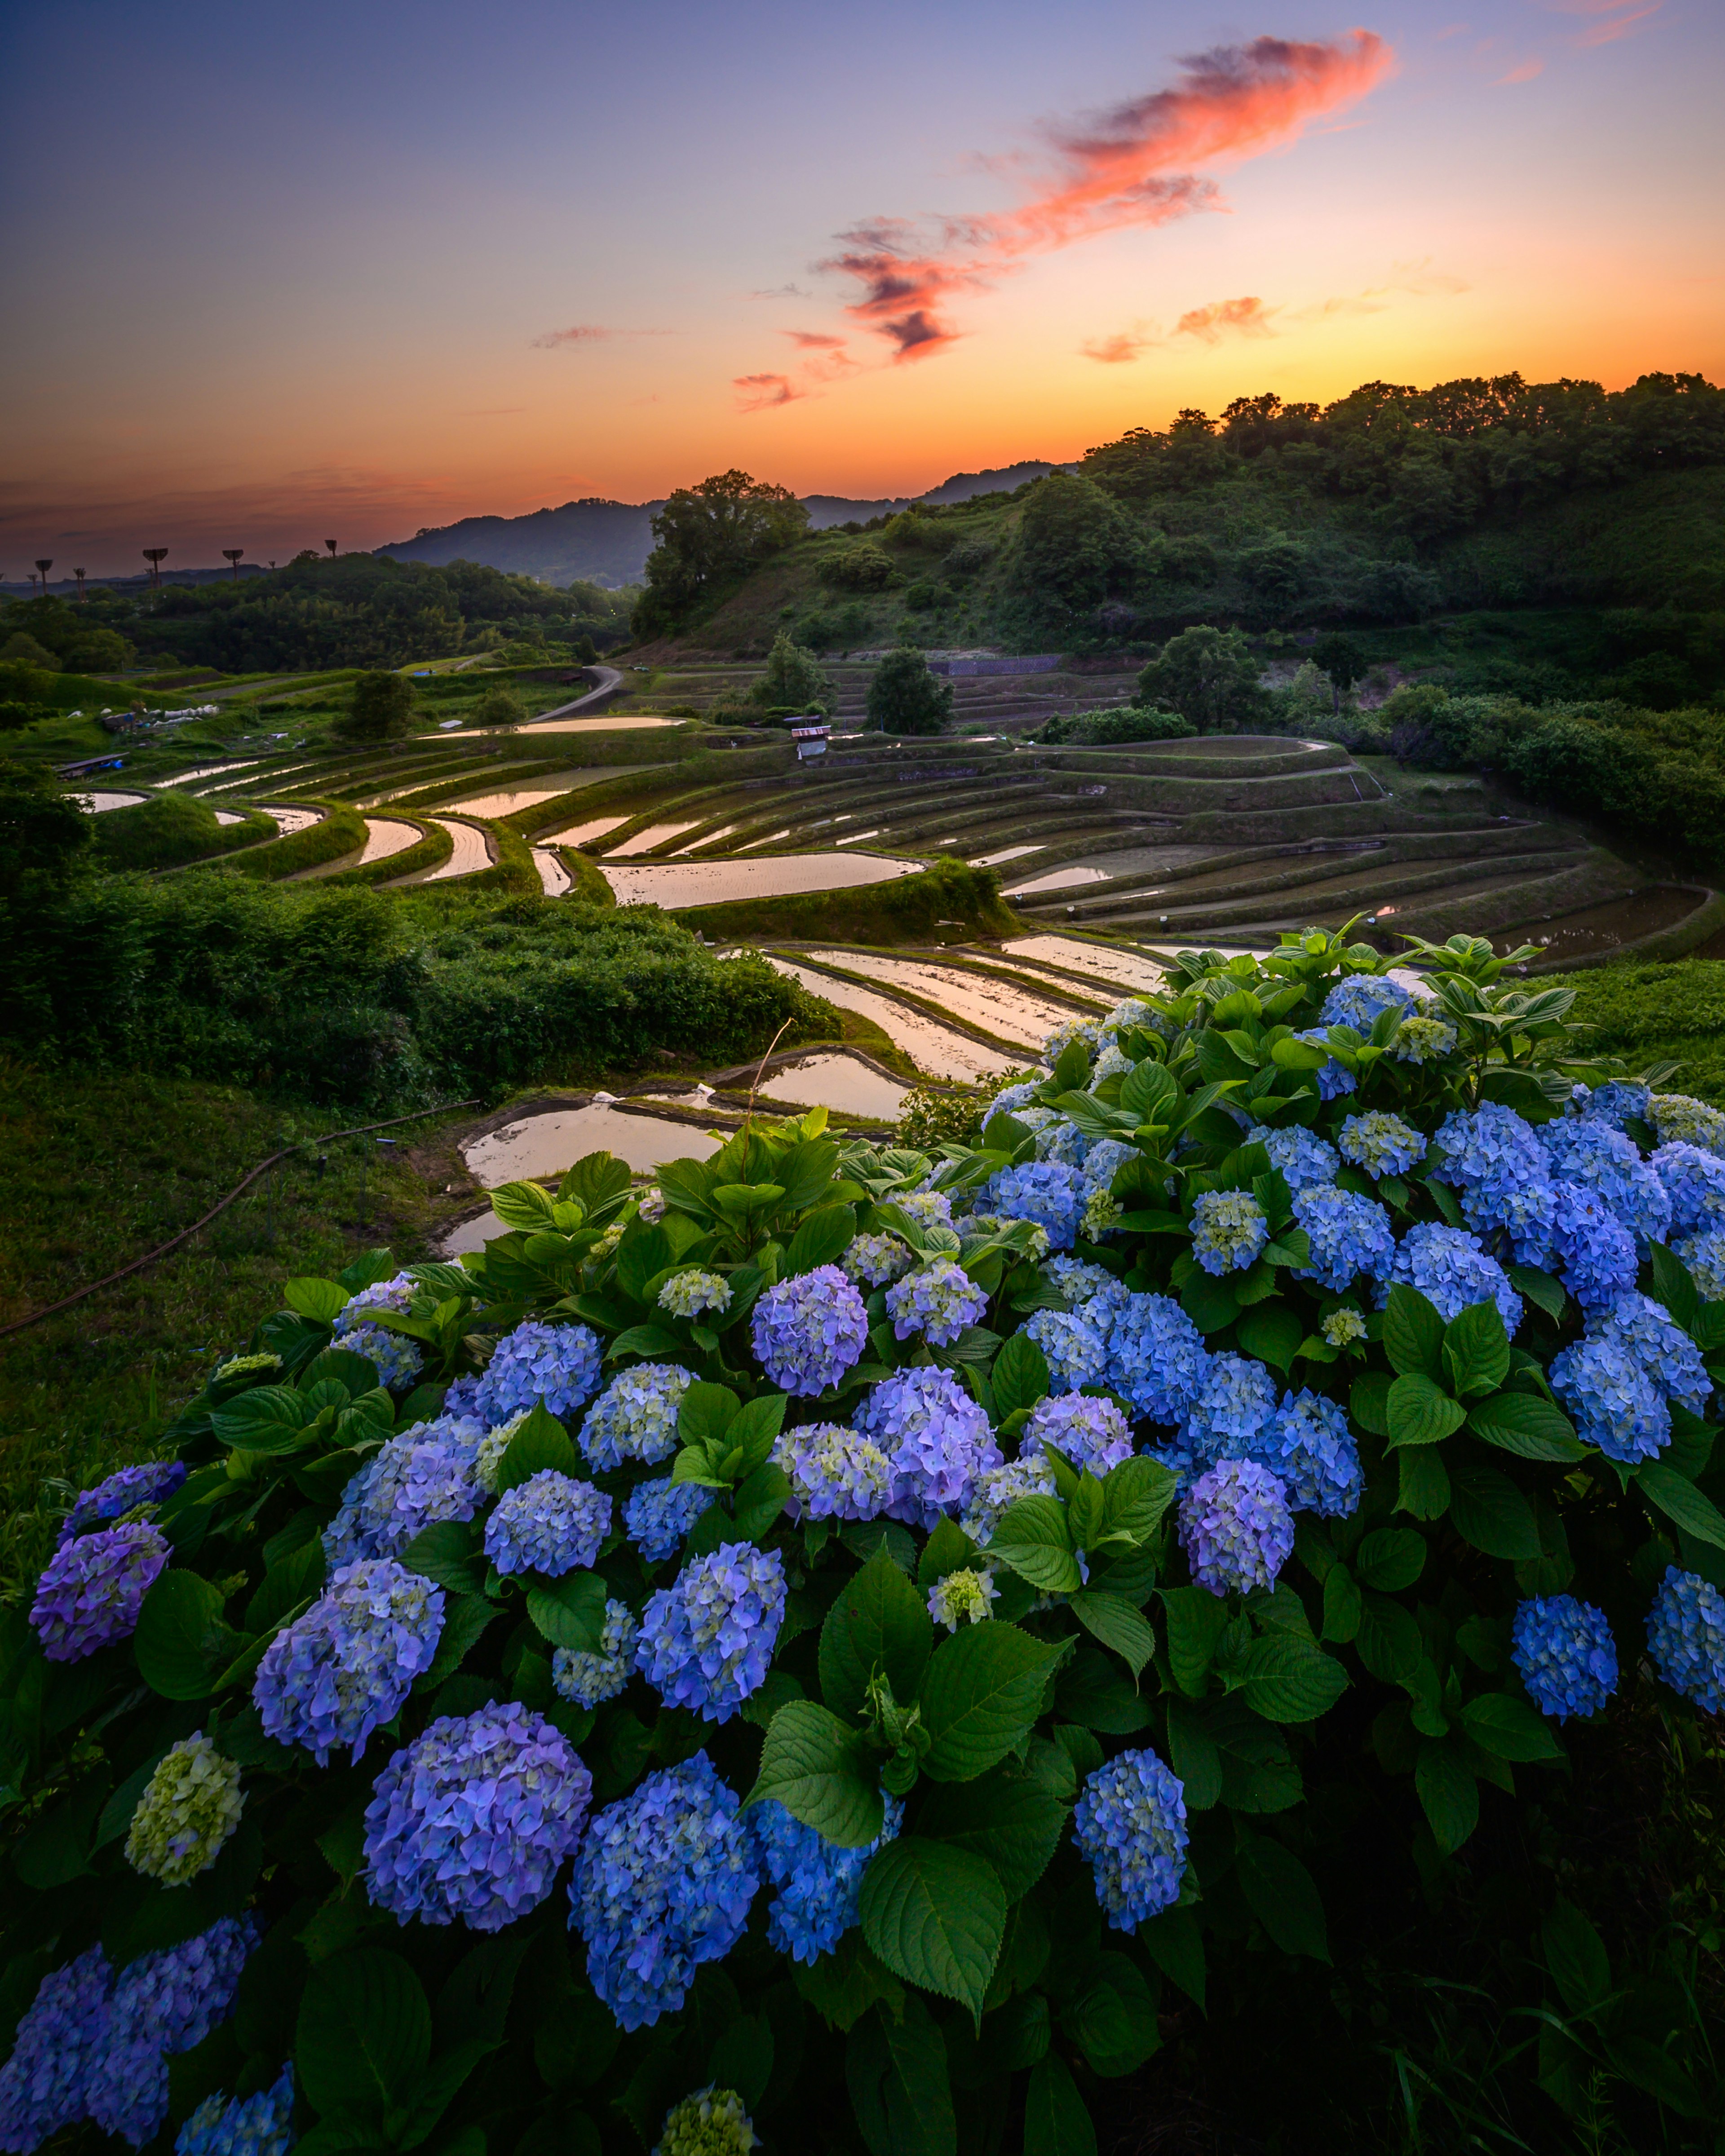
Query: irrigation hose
{"type": "Point", "coordinates": [139, 1264]}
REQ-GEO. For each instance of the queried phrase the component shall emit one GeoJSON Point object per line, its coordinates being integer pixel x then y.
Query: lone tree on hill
{"type": "Point", "coordinates": [710, 537]}
{"type": "Point", "coordinates": [1343, 659]}
{"type": "Point", "coordinates": [1210, 676]}
{"type": "Point", "coordinates": [380, 709]}
{"type": "Point", "coordinates": [904, 698]}
{"type": "Point", "coordinates": [500, 706]}
{"type": "Point", "coordinates": [794, 681]}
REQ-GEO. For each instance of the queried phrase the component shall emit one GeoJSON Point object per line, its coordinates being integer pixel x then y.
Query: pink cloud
{"type": "Point", "coordinates": [760, 393]}
{"type": "Point", "coordinates": [1524, 73]}
{"type": "Point", "coordinates": [580, 333]}
{"type": "Point", "coordinates": [1118, 350]}
{"type": "Point", "coordinates": [1249, 317]}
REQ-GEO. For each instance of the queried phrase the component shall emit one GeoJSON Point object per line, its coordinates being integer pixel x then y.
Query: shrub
{"type": "Point", "coordinates": [1327, 1510]}
{"type": "Point", "coordinates": [167, 830]}
{"type": "Point", "coordinates": [380, 708]}
{"type": "Point", "coordinates": [1126, 723]}
{"type": "Point", "coordinates": [499, 706]}
{"type": "Point", "coordinates": [904, 698]}
{"type": "Point", "coordinates": [1210, 676]}
{"type": "Point", "coordinates": [862, 567]}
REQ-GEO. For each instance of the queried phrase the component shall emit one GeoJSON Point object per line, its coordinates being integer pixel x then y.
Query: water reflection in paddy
{"type": "Point", "coordinates": [1010, 1012]}
{"type": "Point", "coordinates": [838, 1082]}
{"type": "Point", "coordinates": [1127, 969]}
{"type": "Point", "coordinates": [547, 1144]}
{"type": "Point", "coordinates": [644, 842]}
{"type": "Point", "coordinates": [469, 853]}
{"type": "Point", "coordinates": [572, 835]}
{"type": "Point", "coordinates": [708, 883]}
{"type": "Point", "coordinates": [99, 802]}
{"type": "Point", "coordinates": [930, 1046]}
{"type": "Point", "coordinates": [506, 800]}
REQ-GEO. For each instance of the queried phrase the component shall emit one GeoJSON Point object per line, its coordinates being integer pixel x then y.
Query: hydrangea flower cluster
{"type": "Point", "coordinates": [964, 1597]}
{"type": "Point", "coordinates": [1495, 1159]}
{"type": "Point", "coordinates": [1606, 1163]}
{"type": "Point", "coordinates": [394, 1294]}
{"type": "Point", "coordinates": [816, 1883]}
{"type": "Point", "coordinates": [713, 2121]}
{"type": "Point", "coordinates": [190, 1806]}
{"type": "Point", "coordinates": [1615, 1102]}
{"type": "Point", "coordinates": [1079, 1280]}
{"type": "Point", "coordinates": [1075, 1342]}
{"type": "Point", "coordinates": [421, 1475]}
{"type": "Point", "coordinates": [261, 2125]}
{"type": "Point", "coordinates": [1301, 1160]}
{"type": "Point", "coordinates": [588, 1680]}
{"type": "Point", "coordinates": [995, 1223]}
{"type": "Point", "coordinates": [1597, 1251]}
{"type": "Point", "coordinates": [1050, 1191]}
{"type": "Point", "coordinates": [1342, 1328]}
{"type": "Point", "coordinates": [550, 1523]}
{"type": "Point", "coordinates": [1155, 1356]}
{"type": "Point", "coordinates": [122, 1492]}
{"type": "Point", "coordinates": [93, 1587]}
{"type": "Point", "coordinates": [44, 2085]}
{"type": "Point", "coordinates": [334, 1675]}
{"type": "Point", "coordinates": [659, 1516]}
{"type": "Point", "coordinates": [1089, 1432]}
{"type": "Point", "coordinates": [472, 1820]}
{"type": "Point", "coordinates": [650, 1207]}
{"type": "Point", "coordinates": [1060, 1143]}
{"type": "Point", "coordinates": [1236, 1528]}
{"type": "Point", "coordinates": [1705, 1256]}
{"type": "Point", "coordinates": [1233, 1405]}
{"type": "Point", "coordinates": [1666, 1352]}
{"type": "Point", "coordinates": [162, 2004]}
{"type": "Point", "coordinates": [1334, 1078]}
{"type": "Point", "coordinates": [1130, 1826]}
{"type": "Point", "coordinates": [1420, 1040]}
{"type": "Point", "coordinates": [835, 1473]}
{"type": "Point", "coordinates": [873, 1260]}
{"type": "Point", "coordinates": [937, 1437]}
{"type": "Point", "coordinates": [810, 1330]}
{"type": "Point", "coordinates": [1452, 1272]}
{"type": "Point", "coordinates": [693, 1293]}
{"type": "Point", "coordinates": [1357, 999]}
{"type": "Point", "coordinates": [997, 1488]}
{"type": "Point", "coordinates": [662, 1883]}
{"type": "Point", "coordinates": [1308, 1446]}
{"type": "Point", "coordinates": [635, 1417]}
{"type": "Point", "coordinates": [1349, 1235]}
{"type": "Point", "coordinates": [488, 1453]}
{"type": "Point", "coordinates": [1615, 1403]}
{"type": "Point", "coordinates": [394, 1357]}
{"type": "Point", "coordinates": [1380, 1144]}
{"type": "Point", "coordinates": [707, 1639]}
{"type": "Point", "coordinates": [1685, 1637]}
{"type": "Point", "coordinates": [553, 1366]}
{"type": "Point", "coordinates": [1229, 1229]}
{"type": "Point", "coordinates": [1680, 1115]}
{"type": "Point", "coordinates": [242, 1366]}
{"type": "Point", "coordinates": [1105, 1160]}
{"type": "Point", "coordinates": [1566, 1654]}
{"type": "Point", "coordinates": [939, 1301]}
{"type": "Point", "coordinates": [1694, 1181]}
{"type": "Point", "coordinates": [927, 1208]}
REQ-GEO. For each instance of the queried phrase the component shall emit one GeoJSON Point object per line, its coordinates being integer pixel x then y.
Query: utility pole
{"type": "Point", "coordinates": [82, 594]}
{"type": "Point", "coordinates": [155, 555]}
{"type": "Point", "coordinates": [232, 554]}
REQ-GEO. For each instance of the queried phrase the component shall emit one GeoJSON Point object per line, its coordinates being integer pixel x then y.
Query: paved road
{"type": "Point", "coordinates": [610, 681]}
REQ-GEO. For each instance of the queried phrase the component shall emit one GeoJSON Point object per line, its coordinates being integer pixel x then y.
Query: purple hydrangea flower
{"type": "Point", "coordinates": [550, 1523]}
{"type": "Point", "coordinates": [163, 2004]}
{"type": "Point", "coordinates": [815, 1881]}
{"type": "Point", "coordinates": [1566, 1654]}
{"type": "Point", "coordinates": [394, 1294]}
{"type": "Point", "coordinates": [939, 1301]}
{"type": "Point", "coordinates": [937, 1437]}
{"type": "Point", "coordinates": [1615, 1403]}
{"type": "Point", "coordinates": [92, 1588]}
{"type": "Point", "coordinates": [707, 1639]}
{"type": "Point", "coordinates": [810, 1330]}
{"type": "Point", "coordinates": [425, 1474]}
{"type": "Point", "coordinates": [1685, 1637]}
{"type": "Point", "coordinates": [393, 1356]}
{"type": "Point", "coordinates": [472, 1820]}
{"type": "Point", "coordinates": [1598, 1252]}
{"type": "Point", "coordinates": [1229, 1229]}
{"type": "Point", "coordinates": [1694, 1181]}
{"type": "Point", "coordinates": [1234, 1407]}
{"type": "Point", "coordinates": [345, 1668]}
{"type": "Point", "coordinates": [1357, 999]}
{"type": "Point", "coordinates": [635, 1417]}
{"type": "Point", "coordinates": [662, 1883]}
{"type": "Point", "coordinates": [835, 1473]}
{"type": "Point", "coordinates": [1349, 1235]}
{"type": "Point", "coordinates": [553, 1366]}
{"type": "Point", "coordinates": [1130, 1826]}
{"type": "Point", "coordinates": [1452, 1272]}
{"type": "Point", "coordinates": [261, 2125]}
{"type": "Point", "coordinates": [659, 1516]}
{"type": "Point", "coordinates": [1380, 1144]}
{"type": "Point", "coordinates": [122, 1492]}
{"type": "Point", "coordinates": [1051, 1192]}
{"type": "Point", "coordinates": [45, 2086]}
{"type": "Point", "coordinates": [1091, 1433]}
{"type": "Point", "coordinates": [1302, 1159]}
{"type": "Point", "coordinates": [1156, 1357]}
{"type": "Point", "coordinates": [1236, 1528]}
{"type": "Point", "coordinates": [873, 1260]}
{"type": "Point", "coordinates": [1308, 1446]}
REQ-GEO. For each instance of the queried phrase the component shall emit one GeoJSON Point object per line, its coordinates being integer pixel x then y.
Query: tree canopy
{"type": "Point", "coordinates": [1210, 676]}
{"type": "Point", "coordinates": [904, 698]}
{"type": "Point", "coordinates": [709, 537]}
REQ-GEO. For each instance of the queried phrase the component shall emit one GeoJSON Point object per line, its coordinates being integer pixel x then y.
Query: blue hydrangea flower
{"type": "Point", "coordinates": [1010, 1099]}
{"type": "Point", "coordinates": [556, 1367]}
{"type": "Point", "coordinates": [1076, 1349]}
{"type": "Point", "coordinates": [1081, 1280]}
{"type": "Point", "coordinates": [1664, 1350]}
{"type": "Point", "coordinates": [1357, 998]}
{"type": "Point", "coordinates": [1615, 1102]}
{"type": "Point", "coordinates": [471, 1821]}
{"type": "Point", "coordinates": [816, 1882]}
{"type": "Point", "coordinates": [423, 1473]}
{"type": "Point", "coordinates": [588, 1680]}
{"type": "Point", "coordinates": [834, 1472]}
{"type": "Point", "coordinates": [1236, 1528]}
{"type": "Point", "coordinates": [163, 2004]}
{"type": "Point", "coordinates": [1052, 1192]}
{"type": "Point", "coordinates": [1062, 1143]}
{"type": "Point", "coordinates": [1694, 1181]}
{"type": "Point", "coordinates": [635, 1417]}
{"type": "Point", "coordinates": [1451, 1271]}
{"type": "Point", "coordinates": [1091, 1433]}
{"type": "Point", "coordinates": [1680, 1116]}
{"type": "Point", "coordinates": [45, 2086]}
{"type": "Point", "coordinates": [461, 1399]}
{"type": "Point", "coordinates": [1229, 1229]}
{"type": "Point", "coordinates": [939, 1301]}
{"type": "Point", "coordinates": [394, 1294]}
{"type": "Point", "coordinates": [1615, 1403]}
{"type": "Point", "coordinates": [1598, 1253]}
{"type": "Point", "coordinates": [659, 1516]}
{"type": "Point", "coordinates": [937, 1437]}
{"type": "Point", "coordinates": [1308, 1446]}
{"type": "Point", "coordinates": [1380, 1144]}
{"type": "Point", "coordinates": [662, 1883]}
{"type": "Point", "coordinates": [550, 1523]}
{"type": "Point", "coordinates": [997, 1488]}
{"type": "Point", "coordinates": [261, 2125]}
{"type": "Point", "coordinates": [1105, 1160]}
{"type": "Point", "coordinates": [1156, 1358]}
{"type": "Point", "coordinates": [1606, 1163]}
{"type": "Point", "coordinates": [122, 1492]}
{"type": "Point", "coordinates": [1298, 1156]}
{"type": "Point", "coordinates": [810, 1330]}
{"type": "Point", "coordinates": [707, 1639]}
{"type": "Point", "coordinates": [1334, 1078]}
{"type": "Point", "coordinates": [873, 1260]}
{"type": "Point", "coordinates": [1130, 1826]}
{"type": "Point", "coordinates": [1685, 1637]}
{"type": "Point", "coordinates": [1493, 1157]}
{"type": "Point", "coordinates": [1566, 1654]}
{"type": "Point", "coordinates": [1349, 1235]}
{"type": "Point", "coordinates": [334, 1675]}
{"type": "Point", "coordinates": [1233, 1408]}
{"type": "Point", "coordinates": [1705, 1256]}
{"type": "Point", "coordinates": [92, 1588]}
{"type": "Point", "coordinates": [395, 1357]}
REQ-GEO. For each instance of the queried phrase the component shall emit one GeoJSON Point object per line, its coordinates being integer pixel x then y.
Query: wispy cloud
{"type": "Point", "coordinates": [1612, 18]}
{"type": "Point", "coordinates": [813, 341]}
{"type": "Point", "coordinates": [781, 292]}
{"type": "Point", "coordinates": [1524, 71]}
{"type": "Point", "coordinates": [583, 333]}
{"type": "Point", "coordinates": [1248, 317]}
{"type": "Point", "coordinates": [1120, 349]}
{"type": "Point", "coordinates": [760, 393]}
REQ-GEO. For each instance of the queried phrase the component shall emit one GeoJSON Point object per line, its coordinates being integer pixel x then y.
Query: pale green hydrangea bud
{"type": "Point", "coordinates": [241, 1366]}
{"type": "Point", "coordinates": [189, 1808]}
{"type": "Point", "coordinates": [1102, 1211]}
{"type": "Point", "coordinates": [607, 1242]}
{"type": "Point", "coordinates": [1422, 1040]}
{"type": "Point", "coordinates": [961, 1598]}
{"type": "Point", "coordinates": [711, 2122]}
{"type": "Point", "coordinates": [1341, 1327]}
{"type": "Point", "coordinates": [687, 1295]}
{"type": "Point", "coordinates": [488, 1457]}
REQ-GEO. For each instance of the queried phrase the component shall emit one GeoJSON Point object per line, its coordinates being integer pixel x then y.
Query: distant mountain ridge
{"type": "Point", "coordinates": [608, 543]}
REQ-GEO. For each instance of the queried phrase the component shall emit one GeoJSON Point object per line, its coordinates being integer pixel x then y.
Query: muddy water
{"type": "Point", "coordinates": [1006, 853]}
{"type": "Point", "coordinates": [929, 1047]}
{"type": "Point", "coordinates": [600, 726]}
{"type": "Point", "coordinates": [839, 1082]}
{"type": "Point", "coordinates": [1124, 969]}
{"type": "Point", "coordinates": [644, 842]}
{"type": "Point", "coordinates": [287, 821]}
{"type": "Point", "coordinates": [507, 799]}
{"type": "Point", "coordinates": [710, 883]}
{"type": "Point", "coordinates": [1009, 1012]}
{"type": "Point", "coordinates": [1606, 927]}
{"type": "Point", "coordinates": [572, 835]}
{"type": "Point", "coordinates": [99, 802]}
{"type": "Point", "coordinates": [470, 854]}
{"type": "Point", "coordinates": [213, 771]}
{"type": "Point", "coordinates": [385, 838]}
{"type": "Point", "coordinates": [547, 1144]}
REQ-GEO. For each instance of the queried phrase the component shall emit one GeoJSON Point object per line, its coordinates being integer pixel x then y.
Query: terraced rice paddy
{"type": "Point", "coordinates": [385, 838]}
{"type": "Point", "coordinates": [229, 816]}
{"type": "Point", "coordinates": [102, 798]}
{"type": "Point", "coordinates": [711, 883]}
{"type": "Point", "coordinates": [506, 800]}
{"type": "Point", "coordinates": [629, 724]}
{"type": "Point", "coordinates": [576, 834]}
{"type": "Point", "coordinates": [1010, 1013]}
{"type": "Point", "coordinates": [838, 1082]}
{"type": "Point", "coordinates": [936, 1050]}
{"type": "Point", "coordinates": [288, 820]}
{"type": "Point", "coordinates": [555, 880]}
{"type": "Point", "coordinates": [1125, 969]}
{"type": "Point", "coordinates": [548, 1143]}
{"type": "Point", "coordinates": [645, 842]}
{"type": "Point", "coordinates": [470, 853]}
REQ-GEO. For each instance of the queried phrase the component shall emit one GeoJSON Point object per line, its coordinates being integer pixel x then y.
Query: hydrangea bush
{"type": "Point", "coordinates": [817, 1655]}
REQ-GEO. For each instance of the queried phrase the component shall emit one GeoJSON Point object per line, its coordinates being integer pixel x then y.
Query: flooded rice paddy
{"type": "Point", "coordinates": [547, 1144]}
{"type": "Point", "coordinates": [1104, 868]}
{"type": "Point", "coordinates": [470, 853]}
{"type": "Point", "coordinates": [229, 816]}
{"type": "Point", "coordinates": [1006, 853]}
{"type": "Point", "coordinates": [102, 798]}
{"type": "Point", "coordinates": [289, 820]}
{"type": "Point", "coordinates": [1011, 1012]}
{"type": "Point", "coordinates": [573, 834]}
{"type": "Point", "coordinates": [599, 726]}
{"type": "Point", "coordinates": [1606, 927]}
{"type": "Point", "coordinates": [385, 837]}
{"type": "Point", "coordinates": [838, 1082]}
{"type": "Point", "coordinates": [1126, 969]}
{"type": "Point", "coordinates": [930, 1047]}
{"type": "Point", "coordinates": [553, 876]}
{"type": "Point", "coordinates": [505, 800]}
{"type": "Point", "coordinates": [214, 771]}
{"type": "Point", "coordinates": [644, 842]}
{"type": "Point", "coordinates": [710, 883]}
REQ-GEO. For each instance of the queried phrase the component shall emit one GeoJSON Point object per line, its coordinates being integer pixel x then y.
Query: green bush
{"type": "Point", "coordinates": [1210, 676]}
{"type": "Point", "coordinates": [904, 698]}
{"type": "Point", "coordinates": [500, 706]}
{"type": "Point", "coordinates": [863, 566]}
{"type": "Point", "coordinates": [1121, 725]}
{"type": "Point", "coordinates": [170, 830]}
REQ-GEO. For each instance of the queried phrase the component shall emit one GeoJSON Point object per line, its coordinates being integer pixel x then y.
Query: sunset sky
{"type": "Point", "coordinates": [280, 274]}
